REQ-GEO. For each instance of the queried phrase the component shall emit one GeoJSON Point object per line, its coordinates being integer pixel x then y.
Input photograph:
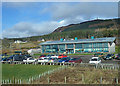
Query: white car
{"type": "Point", "coordinates": [55, 56]}
{"type": "Point", "coordinates": [43, 60]}
{"type": "Point", "coordinates": [29, 60]}
{"type": "Point", "coordinates": [95, 60]}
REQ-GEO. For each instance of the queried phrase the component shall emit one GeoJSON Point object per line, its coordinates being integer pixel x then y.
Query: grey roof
{"type": "Point", "coordinates": [106, 39]}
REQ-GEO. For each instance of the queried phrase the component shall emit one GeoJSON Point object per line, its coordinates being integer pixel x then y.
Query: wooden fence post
{"type": "Point", "coordinates": [116, 80]}
{"type": "Point", "coordinates": [48, 80]}
{"type": "Point", "coordinates": [100, 80]}
{"type": "Point", "coordinates": [65, 79]}
{"type": "Point", "coordinates": [83, 78]}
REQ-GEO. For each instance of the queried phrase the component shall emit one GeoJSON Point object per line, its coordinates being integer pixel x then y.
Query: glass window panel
{"type": "Point", "coordinates": [69, 45]}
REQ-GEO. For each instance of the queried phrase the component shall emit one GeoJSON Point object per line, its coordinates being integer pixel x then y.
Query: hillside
{"type": "Point", "coordinates": [89, 25]}
{"type": "Point", "coordinates": [97, 28]}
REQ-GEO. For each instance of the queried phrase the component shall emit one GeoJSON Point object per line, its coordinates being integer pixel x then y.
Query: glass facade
{"type": "Point", "coordinates": [62, 48]}
{"type": "Point", "coordinates": [70, 46]}
{"type": "Point", "coordinates": [79, 47]}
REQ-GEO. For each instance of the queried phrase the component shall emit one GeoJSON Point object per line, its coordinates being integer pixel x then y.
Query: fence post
{"type": "Point", "coordinates": [116, 80]}
{"type": "Point", "coordinates": [82, 78]}
{"type": "Point", "coordinates": [65, 80]}
{"type": "Point", "coordinates": [100, 80]}
{"type": "Point", "coordinates": [48, 80]}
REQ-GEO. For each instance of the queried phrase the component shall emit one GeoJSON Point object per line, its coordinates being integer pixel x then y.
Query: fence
{"type": "Point", "coordinates": [100, 80]}
{"type": "Point", "coordinates": [31, 79]}
{"type": "Point", "coordinates": [96, 66]}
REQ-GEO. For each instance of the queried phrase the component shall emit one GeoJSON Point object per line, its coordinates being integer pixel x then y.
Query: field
{"type": "Point", "coordinates": [22, 71]}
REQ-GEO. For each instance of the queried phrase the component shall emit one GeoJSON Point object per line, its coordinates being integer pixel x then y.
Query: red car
{"type": "Point", "coordinates": [61, 56]}
{"type": "Point", "coordinates": [75, 60]}
{"type": "Point", "coordinates": [42, 56]}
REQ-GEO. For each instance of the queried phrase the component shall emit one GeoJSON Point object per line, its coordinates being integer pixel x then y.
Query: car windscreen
{"type": "Point", "coordinates": [109, 55]}
{"type": "Point", "coordinates": [94, 59]}
{"type": "Point", "coordinates": [31, 59]}
{"type": "Point", "coordinates": [63, 58]}
{"type": "Point", "coordinates": [73, 58]}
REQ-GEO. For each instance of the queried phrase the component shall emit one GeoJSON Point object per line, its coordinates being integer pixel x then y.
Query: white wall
{"type": "Point", "coordinates": [111, 47]}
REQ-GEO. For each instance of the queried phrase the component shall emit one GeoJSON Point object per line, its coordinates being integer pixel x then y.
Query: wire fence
{"type": "Point", "coordinates": [31, 79]}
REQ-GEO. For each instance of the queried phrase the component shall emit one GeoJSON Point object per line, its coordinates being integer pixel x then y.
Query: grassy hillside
{"type": "Point", "coordinates": [89, 25]}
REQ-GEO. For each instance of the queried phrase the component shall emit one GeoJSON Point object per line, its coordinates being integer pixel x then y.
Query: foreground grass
{"type": "Point", "coordinates": [22, 71]}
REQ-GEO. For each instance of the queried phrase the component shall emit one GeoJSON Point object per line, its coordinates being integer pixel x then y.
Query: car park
{"type": "Point", "coordinates": [75, 60]}
{"type": "Point", "coordinates": [64, 59]}
{"type": "Point", "coordinates": [109, 57]}
{"type": "Point", "coordinates": [95, 60]}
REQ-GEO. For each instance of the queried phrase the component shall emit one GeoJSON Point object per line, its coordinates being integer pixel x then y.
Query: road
{"type": "Point", "coordinates": [86, 58]}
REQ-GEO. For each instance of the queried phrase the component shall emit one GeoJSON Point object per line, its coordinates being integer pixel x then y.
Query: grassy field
{"type": "Point", "coordinates": [22, 71]}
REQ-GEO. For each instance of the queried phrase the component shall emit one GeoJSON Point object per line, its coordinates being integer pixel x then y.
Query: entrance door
{"type": "Point", "coordinates": [70, 51]}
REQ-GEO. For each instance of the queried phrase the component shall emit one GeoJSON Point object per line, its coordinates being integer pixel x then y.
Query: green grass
{"type": "Point", "coordinates": [117, 49]}
{"type": "Point", "coordinates": [22, 71]}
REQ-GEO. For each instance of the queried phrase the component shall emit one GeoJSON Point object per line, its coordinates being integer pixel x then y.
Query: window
{"type": "Point", "coordinates": [69, 45]}
{"type": "Point", "coordinates": [78, 46]}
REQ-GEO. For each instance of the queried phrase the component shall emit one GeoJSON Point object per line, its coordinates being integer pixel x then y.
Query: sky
{"type": "Point", "coordinates": [24, 19]}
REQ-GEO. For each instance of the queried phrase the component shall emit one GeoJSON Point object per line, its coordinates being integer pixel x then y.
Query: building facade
{"type": "Point", "coordinates": [79, 45]}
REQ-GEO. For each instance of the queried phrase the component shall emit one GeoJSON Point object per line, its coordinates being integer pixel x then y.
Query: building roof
{"type": "Point", "coordinates": [106, 39]}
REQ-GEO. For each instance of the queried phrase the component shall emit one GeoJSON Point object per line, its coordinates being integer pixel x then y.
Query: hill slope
{"type": "Point", "coordinates": [93, 24]}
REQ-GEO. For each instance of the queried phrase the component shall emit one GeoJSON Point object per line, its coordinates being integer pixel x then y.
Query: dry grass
{"type": "Point", "coordinates": [80, 75]}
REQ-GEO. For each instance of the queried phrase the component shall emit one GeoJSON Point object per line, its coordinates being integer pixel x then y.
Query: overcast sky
{"type": "Point", "coordinates": [23, 19]}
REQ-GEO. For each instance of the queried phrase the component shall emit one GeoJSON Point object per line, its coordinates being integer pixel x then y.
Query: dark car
{"type": "Point", "coordinates": [109, 57]}
{"type": "Point", "coordinates": [11, 58]}
{"type": "Point", "coordinates": [75, 60]}
{"type": "Point", "coordinates": [64, 59]}
{"type": "Point", "coordinates": [118, 57]}
{"type": "Point", "coordinates": [4, 59]}
{"type": "Point", "coordinates": [19, 57]}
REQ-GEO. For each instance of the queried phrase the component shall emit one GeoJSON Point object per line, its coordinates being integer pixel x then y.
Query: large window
{"type": "Point", "coordinates": [87, 45]}
{"type": "Point", "coordinates": [105, 45]}
{"type": "Point", "coordinates": [69, 46]}
{"type": "Point", "coordinates": [62, 48]}
{"type": "Point", "coordinates": [78, 46]}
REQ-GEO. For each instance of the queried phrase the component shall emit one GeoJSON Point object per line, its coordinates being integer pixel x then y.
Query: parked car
{"type": "Point", "coordinates": [29, 60]}
{"type": "Point", "coordinates": [61, 56]}
{"type": "Point", "coordinates": [54, 59]}
{"type": "Point", "coordinates": [117, 57]}
{"type": "Point", "coordinates": [54, 56]}
{"type": "Point", "coordinates": [42, 56]}
{"type": "Point", "coordinates": [64, 59]}
{"type": "Point", "coordinates": [109, 57]}
{"type": "Point", "coordinates": [43, 59]}
{"type": "Point", "coordinates": [4, 59]}
{"type": "Point", "coordinates": [75, 60]}
{"type": "Point", "coordinates": [49, 56]}
{"type": "Point", "coordinates": [95, 60]}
